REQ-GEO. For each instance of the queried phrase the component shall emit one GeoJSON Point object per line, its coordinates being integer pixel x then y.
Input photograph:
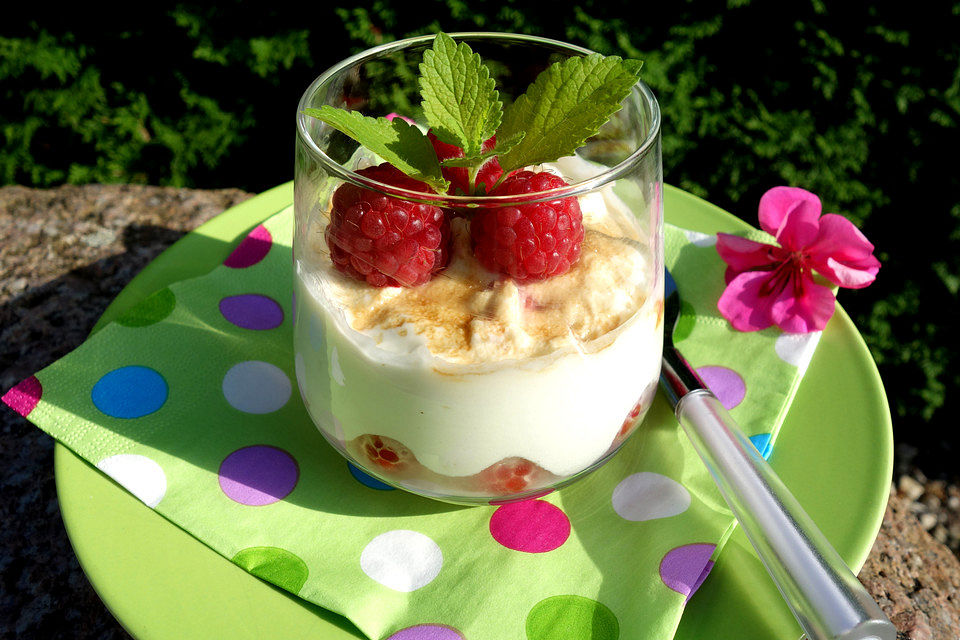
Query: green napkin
{"type": "Point", "coordinates": [188, 400]}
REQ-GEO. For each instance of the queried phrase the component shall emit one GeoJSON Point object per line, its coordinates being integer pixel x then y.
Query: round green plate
{"type": "Point", "coordinates": [835, 452]}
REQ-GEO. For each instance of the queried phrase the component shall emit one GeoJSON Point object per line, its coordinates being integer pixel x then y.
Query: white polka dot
{"type": "Point", "coordinates": [335, 369]}
{"type": "Point", "coordinates": [402, 560]}
{"type": "Point", "coordinates": [139, 475]}
{"type": "Point", "coordinates": [701, 239]}
{"type": "Point", "coordinates": [256, 387]}
{"type": "Point", "coordinates": [797, 348]}
{"type": "Point", "coordinates": [648, 496]}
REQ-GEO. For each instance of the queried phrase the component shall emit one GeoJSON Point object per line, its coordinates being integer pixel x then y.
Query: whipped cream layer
{"type": "Point", "coordinates": [473, 368]}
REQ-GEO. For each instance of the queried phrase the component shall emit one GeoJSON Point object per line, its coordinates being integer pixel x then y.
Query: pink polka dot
{"type": "Point", "coordinates": [258, 475]}
{"type": "Point", "coordinates": [24, 397]}
{"type": "Point", "coordinates": [251, 250]}
{"type": "Point", "coordinates": [725, 383]}
{"type": "Point", "coordinates": [533, 526]}
{"type": "Point", "coordinates": [685, 568]}
{"type": "Point", "coordinates": [427, 632]}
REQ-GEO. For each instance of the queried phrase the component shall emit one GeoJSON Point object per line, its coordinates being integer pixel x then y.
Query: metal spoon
{"type": "Point", "coordinates": [824, 595]}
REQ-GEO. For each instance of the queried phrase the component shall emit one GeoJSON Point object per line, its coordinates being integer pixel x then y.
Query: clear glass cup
{"type": "Point", "coordinates": [476, 388]}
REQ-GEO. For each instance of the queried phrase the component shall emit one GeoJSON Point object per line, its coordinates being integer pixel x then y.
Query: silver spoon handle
{"type": "Point", "coordinates": [824, 595]}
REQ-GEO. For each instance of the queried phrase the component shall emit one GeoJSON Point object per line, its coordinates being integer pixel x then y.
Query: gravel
{"type": "Point", "coordinates": [936, 504]}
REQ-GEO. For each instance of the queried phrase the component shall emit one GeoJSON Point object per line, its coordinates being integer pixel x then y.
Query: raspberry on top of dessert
{"type": "Point", "coordinates": [469, 314]}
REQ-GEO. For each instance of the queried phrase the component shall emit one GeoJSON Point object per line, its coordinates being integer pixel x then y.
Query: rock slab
{"type": "Point", "coordinates": [915, 579]}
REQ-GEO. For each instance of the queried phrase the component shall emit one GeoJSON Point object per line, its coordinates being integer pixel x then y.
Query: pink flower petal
{"type": "Point", "coordinates": [742, 254]}
{"type": "Point", "coordinates": [842, 254]}
{"type": "Point", "coordinates": [802, 306]}
{"type": "Point", "coordinates": [391, 116]}
{"type": "Point", "coordinates": [790, 215]}
{"type": "Point", "coordinates": [850, 276]}
{"type": "Point", "coordinates": [742, 304]}
{"type": "Point", "coordinates": [729, 274]}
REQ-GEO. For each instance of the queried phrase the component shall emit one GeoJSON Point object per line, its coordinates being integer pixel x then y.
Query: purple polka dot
{"type": "Point", "coordinates": [252, 311]}
{"type": "Point", "coordinates": [427, 632]}
{"type": "Point", "coordinates": [251, 250]}
{"type": "Point", "coordinates": [685, 568]}
{"type": "Point", "coordinates": [725, 383]}
{"type": "Point", "coordinates": [24, 397]}
{"type": "Point", "coordinates": [533, 526]}
{"type": "Point", "coordinates": [258, 475]}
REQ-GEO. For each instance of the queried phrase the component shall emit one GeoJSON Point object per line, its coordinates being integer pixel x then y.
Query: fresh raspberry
{"type": "Point", "coordinates": [459, 177]}
{"type": "Point", "coordinates": [511, 475]}
{"type": "Point", "coordinates": [387, 241]}
{"type": "Point", "coordinates": [529, 241]}
{"type": "Point", "coordinates": [646, 399]}
{"type": "Point", "coordinates": [630, 420]}
{"type": "Point", "coordinates": [386, 453]}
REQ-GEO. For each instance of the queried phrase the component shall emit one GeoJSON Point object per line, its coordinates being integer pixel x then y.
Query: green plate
{"type": "Point", "coordinates": [835, 452]}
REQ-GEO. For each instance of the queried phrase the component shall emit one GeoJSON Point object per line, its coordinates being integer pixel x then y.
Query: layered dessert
{"type": "Point", "coordinates": [499, 343]}
{"type": "Point", "coordinates": [474, 383]}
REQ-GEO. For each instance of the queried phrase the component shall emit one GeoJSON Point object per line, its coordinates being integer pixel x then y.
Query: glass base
{"type": "Point", "coordinates": [511, 480]}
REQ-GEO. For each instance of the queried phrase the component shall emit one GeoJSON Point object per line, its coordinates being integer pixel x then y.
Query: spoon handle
{"type": "Point", "coordinates": [824, 595]}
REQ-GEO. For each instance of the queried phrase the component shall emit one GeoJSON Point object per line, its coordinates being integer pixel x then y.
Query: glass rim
{"type": "Point", "coordinates": [454, 201]}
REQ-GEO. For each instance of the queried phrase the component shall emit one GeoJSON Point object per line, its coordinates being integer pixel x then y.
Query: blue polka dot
{"type": "Point", "coordinates": [762, 442]}
{"type": "Point", "coordinates": [368, 480]}
{"type": "Point", "coordinates": [129, 392]}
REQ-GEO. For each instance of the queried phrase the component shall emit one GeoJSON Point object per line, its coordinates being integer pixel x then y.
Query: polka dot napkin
{"type": "Point", "coordinates": [188, 401]}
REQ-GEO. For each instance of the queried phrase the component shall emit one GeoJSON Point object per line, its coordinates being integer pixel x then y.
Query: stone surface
{"type": "Point", "coordinates": [65, 253]}
{"type": "Point", "coordinates": [915, 579]}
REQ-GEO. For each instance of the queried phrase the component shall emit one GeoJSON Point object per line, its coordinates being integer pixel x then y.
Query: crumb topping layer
{"type": "Point", "coordinates": [467, 314]}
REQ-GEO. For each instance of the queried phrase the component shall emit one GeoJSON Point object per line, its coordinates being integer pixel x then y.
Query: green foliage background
{"type": "Point", "coordinates": [858, 102]}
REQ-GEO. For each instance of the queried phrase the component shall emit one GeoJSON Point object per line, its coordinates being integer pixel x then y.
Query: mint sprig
{"type": "Point", "coordinates": [503, 145]}
{"type": "Point", "coordinates": [399, 143]}
{"type": "Point", "coordinates": [564, 106]}
{"type": "Point", "coordinates": [460, 99]}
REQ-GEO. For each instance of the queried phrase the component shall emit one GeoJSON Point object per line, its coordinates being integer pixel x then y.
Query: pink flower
{"type": "Point", "coordinates": [391, 116]}
{"type": "Point", "coordinates": [769, 285]}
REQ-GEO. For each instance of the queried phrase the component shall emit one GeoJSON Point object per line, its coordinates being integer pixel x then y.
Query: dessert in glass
{"type": "Point", "coordinates": [485, 330]}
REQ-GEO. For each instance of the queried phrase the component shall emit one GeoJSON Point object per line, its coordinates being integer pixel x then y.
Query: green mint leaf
{"type": "Point", "coordinates": [501, 147]}
{"type": "Point", "coordinates": [466, 162]}
{"type": "Point", "coordinates": [564, 106]}
{"type": "Point", "coordinates": [460, 100]}
{"type": "Point", "coordinates": [402, 145]}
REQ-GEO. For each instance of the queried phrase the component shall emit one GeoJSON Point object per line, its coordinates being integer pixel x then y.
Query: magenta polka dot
{"type": "Point", "coordinates": [533, 526]}
{"type": "Point", "coordinates": [258, 475]}
{"type": "Point", "coordinates": [685, 568]}
{"type": "Point", "coordinates": [24, 397]}
{"type": "Point", "coordinates": [427, 632]}
{"type": "Point", "coordinates": [251, 250]}
{"type": "Point", "coordinates": [725, 383]}
{"type": "Point", "coordinates": [252, 311]}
